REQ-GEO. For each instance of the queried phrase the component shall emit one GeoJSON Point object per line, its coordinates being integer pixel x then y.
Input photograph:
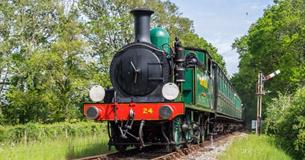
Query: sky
{"type": "Point", "coordinates": [222, 21]}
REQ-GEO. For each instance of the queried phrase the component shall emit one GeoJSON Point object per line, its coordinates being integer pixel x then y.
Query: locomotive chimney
{"type": "Point", "coordinates": [142, 24]}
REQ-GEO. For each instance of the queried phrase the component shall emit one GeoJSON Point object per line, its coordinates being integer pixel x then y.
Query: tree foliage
{"type": "Point", "coordinates": [54, 50]}
{"type": "Point", "coordinates": [275, 41]}
{"type": "Point", "coordinates": [46, 67]}
{"type": "Point", "coordinates": [286, 120]}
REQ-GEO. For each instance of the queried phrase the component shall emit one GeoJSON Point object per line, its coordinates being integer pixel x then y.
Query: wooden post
{"type": "Point", "coordinates": [259, 93]}
{"type": "Point", "coordinates": [25, 137]}
{"type": "Point", "coordinates": [66, 132]}
{"type": "Point", "coordinates": [257, 116]}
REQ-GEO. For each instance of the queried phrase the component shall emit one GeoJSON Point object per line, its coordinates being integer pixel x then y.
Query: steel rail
{"type": "Point", "coordinates": [155, 153]}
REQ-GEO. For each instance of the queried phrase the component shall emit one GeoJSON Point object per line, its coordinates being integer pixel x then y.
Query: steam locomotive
{"type": "Point", "coordinates": [163, 94]}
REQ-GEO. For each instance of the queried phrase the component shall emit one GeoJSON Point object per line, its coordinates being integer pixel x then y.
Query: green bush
{"type": "Point", "coordinates": [286, 120]}
{"type": "Point", "coordinates": [37, 132]}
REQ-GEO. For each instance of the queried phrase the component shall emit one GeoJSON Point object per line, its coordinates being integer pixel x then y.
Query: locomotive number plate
{"type": "Point", "coordinates": [147, 110]}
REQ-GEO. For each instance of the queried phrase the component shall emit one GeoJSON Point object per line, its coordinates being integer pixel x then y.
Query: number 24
{"type": "Point", "coordinates": [147, 111]}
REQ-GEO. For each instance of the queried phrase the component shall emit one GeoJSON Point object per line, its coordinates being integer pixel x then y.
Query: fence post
{"type": "Point", "coordinates": [66, 130]}
{"type": "Point", "coordinates": [25, 137]}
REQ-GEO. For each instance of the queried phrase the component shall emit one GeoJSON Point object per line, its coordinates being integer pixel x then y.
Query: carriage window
{"type": "Point", "coordinates": [191, 60]}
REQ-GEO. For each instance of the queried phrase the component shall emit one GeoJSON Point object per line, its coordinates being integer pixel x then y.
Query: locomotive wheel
{"type": "Point", "coordinates": [177, 136]}
{"type": "Point", "coordinates": [199, 133]}
{"type": "Point", "coordinates": [202, 133]}
{"type": "Point", "coordinates": [189, 134]}
{"type": "Point", "coordinates": [203, 129]}
{"type": "Point", "coordinates": [197, 136]}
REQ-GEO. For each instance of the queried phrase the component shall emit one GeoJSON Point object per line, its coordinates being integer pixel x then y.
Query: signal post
{"type": "Point", "coordinates": [259, 93]}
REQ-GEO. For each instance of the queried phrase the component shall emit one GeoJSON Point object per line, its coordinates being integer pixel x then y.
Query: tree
{"type": "Point", "coordinates": [48, 74]}
{"type": "Point", "coordinates": [21, 35]}
{"type": "Point", "coordinates": [286, 120]}
{"type": "Point", "coordinates": [275, 41]}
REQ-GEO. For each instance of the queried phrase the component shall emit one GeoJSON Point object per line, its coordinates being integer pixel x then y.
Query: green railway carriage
{"type": "Point", "coordinates": [228, 102]}
{"type": "Point", "coordinates": [206, 87]}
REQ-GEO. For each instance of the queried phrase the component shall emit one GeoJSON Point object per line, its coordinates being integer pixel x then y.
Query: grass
{"type": "Point", "coordinates": [56, 149]}
{"type": "Point", "coordinates": [253, 147]}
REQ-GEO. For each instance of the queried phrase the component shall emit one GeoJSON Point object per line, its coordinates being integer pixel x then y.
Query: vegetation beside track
{"type": "Point", "coordinates": [253, 147]}
{"type": "Point", "coordinates": [286, 121]}
{"type": "Point", "coordinates": [62, 148]}
{"type": "Point", "coordinates": [53, 141]}
{"type": "Point", "coordinates": [33, 132]}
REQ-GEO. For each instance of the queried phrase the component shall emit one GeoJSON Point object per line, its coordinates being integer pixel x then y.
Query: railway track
{"type": "Point", "coordinates": [158, 153]}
